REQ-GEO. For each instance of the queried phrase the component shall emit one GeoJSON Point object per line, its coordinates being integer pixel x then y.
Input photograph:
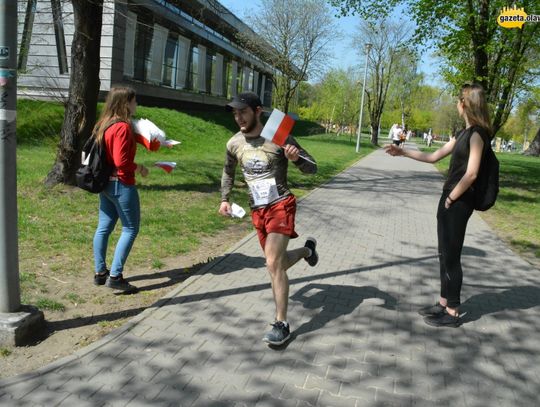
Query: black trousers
{"type": "Point", "coordinates": [451, 226]}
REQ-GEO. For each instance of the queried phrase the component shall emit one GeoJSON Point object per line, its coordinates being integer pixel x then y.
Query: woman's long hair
{"type": "Point", "coordinates": [116, 108]}
{"type": "Point", "coordinates": [475, 106]}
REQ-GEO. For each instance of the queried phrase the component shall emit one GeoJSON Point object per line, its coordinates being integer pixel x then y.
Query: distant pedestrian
{"type": "Point", "coordinates": [429, 139]}
{"type": "Point", "coordinates": [273, 206]}
{"type": "Point", "coordinates": [120, 199]}
{"type": "Point", "coordinates": [456, 203]}
{"type": "Point", "coordinates": [396, 135]}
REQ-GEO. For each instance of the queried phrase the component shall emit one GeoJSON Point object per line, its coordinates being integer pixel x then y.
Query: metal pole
{"type": "Point", "coordinates": [368, 46]}
{"type": "Point", "coordinates": [10, 300]}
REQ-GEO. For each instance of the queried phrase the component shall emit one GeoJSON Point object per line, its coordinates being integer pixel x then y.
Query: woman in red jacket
{"type": "Point", "coordinates": [120, 198]}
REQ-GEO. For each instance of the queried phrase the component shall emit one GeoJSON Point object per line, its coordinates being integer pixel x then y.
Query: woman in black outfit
{"type": "Point", "coordinates": [456, 203]}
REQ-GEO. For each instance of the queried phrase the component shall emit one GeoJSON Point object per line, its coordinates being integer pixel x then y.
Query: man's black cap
{"type": "Point", "coordinates": [244, 100]}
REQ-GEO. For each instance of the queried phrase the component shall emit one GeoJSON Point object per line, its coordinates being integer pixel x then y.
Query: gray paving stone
{"type": "Point", "coordinates": [327, 399]}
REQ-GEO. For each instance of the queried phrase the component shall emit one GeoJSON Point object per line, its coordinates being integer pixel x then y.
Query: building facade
{"type": "Point", "coordinates": [171, 51]}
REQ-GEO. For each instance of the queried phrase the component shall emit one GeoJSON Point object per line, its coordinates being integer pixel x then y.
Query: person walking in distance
{"type": "Point", "coordinates": [119, 199]}
{"type": "Point", "coordinates": [273, 207]}
{"type": "Point", "coordinates": [457, 200]}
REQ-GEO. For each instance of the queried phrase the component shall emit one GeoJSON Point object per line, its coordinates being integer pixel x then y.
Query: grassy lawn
{"type": "Point", "coordinates": [56, 226]}
{"type": "Point", "coordinates": [516, 215]}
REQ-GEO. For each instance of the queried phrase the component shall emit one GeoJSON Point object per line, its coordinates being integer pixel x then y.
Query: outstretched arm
{"type": "Point", "coordinates": [417, 155]}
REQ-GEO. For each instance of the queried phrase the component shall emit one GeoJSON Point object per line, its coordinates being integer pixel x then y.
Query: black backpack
{"type": "Point", "coordinates": [486, 186]}
{"type": "Point", "coordinates": [94, 172]}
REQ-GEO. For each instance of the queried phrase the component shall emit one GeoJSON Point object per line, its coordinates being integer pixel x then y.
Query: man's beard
{"type": "Point", "coordinates": [250, 126]}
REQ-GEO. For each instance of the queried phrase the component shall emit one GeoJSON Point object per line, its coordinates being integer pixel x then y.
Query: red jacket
{"type": "Point", "coordinates": [121, 149]}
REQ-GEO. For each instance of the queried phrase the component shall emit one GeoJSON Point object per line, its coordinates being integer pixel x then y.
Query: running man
{"type": "Point", "coordinates": [273, 206]}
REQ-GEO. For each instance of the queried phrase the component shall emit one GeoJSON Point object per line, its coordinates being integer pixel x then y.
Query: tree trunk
{"type": "Point", "coordinates": [478, 23]}
{"type": "Point", "coordinates": [80, 110]}
{"type": "Point", "coordinates": [374, 132]}
{"type": "Point", "coordinates": [534, 147]}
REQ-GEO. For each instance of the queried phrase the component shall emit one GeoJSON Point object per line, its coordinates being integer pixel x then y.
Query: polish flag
{"type": "Point", "coordinates": [168, 166]}
{"type": "Point", "coordinates": [151, 136]}
{"type": "Point", "coordinates": [278, 127]}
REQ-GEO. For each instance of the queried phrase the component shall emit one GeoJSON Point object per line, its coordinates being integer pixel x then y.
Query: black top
{"type": "Point", "coordinates": [460, 155]}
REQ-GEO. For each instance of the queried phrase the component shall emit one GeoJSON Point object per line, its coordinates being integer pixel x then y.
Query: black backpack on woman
{"type": "Point", "coordinates": [486, 186]}
{"type": "Point", "coordinates": [94, 172]}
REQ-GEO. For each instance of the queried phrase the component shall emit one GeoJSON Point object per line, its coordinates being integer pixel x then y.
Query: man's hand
{"type": "Point", "coordinates": [291, 152]}
{"type": "Point", "coordinates": [225, 209]}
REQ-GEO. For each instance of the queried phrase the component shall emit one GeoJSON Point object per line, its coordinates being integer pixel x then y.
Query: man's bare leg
{"type": "Point", "coordinates": [278, 261]}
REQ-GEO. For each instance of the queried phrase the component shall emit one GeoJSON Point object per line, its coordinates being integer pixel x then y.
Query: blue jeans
{"type": "Point", "coordinates": [116, 201]}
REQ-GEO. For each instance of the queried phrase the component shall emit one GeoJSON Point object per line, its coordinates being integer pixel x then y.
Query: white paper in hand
{"type": "Point", "coordinates": [237, 211]}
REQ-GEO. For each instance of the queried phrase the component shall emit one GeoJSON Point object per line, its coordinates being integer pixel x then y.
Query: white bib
{"type": "Point", "coordinates": [263, 191]}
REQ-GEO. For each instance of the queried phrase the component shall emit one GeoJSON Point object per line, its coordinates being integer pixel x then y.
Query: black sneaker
{"type": "Point", "coordinates": [432, 310]}
{"type": "Point", "coordinates": [312, 260]}
{"type": "Point", "coordinates": [442, 320]}
{"type": "Point", "coordinates": [101, 278]}
{"type": "Point", "coordinates": [118, 283]}
{"type": "Point", "coordinates": [279, 334]}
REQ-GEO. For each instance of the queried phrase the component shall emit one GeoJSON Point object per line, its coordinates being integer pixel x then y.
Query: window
{"type": "Point", "coordinates": [143, 42]}
{"type": "Point", "coordinates": [239, 79]}
{"type": "Point", "coordinates": [194, 68]}
{"type": "Point", "coordinates": [227, 78]}
{"type": "Point", "coordinates": [210, 71]}
{"type": "Point", "coordinates": [169, 62]}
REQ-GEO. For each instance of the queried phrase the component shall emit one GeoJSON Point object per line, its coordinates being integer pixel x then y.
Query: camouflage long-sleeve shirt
{"type": "Point", "coordinates": [264, 166]}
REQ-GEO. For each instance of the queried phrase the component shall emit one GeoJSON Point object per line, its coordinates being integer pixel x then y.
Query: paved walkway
{"type": "Point", "coordinates": [358, 340]}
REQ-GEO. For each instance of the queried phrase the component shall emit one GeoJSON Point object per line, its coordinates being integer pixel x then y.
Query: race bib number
{"type": "Point", "coordinates": [263, 191]}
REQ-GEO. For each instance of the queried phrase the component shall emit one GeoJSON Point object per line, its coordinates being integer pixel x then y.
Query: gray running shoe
{"type": "Point", "coordinates": [432, 310]}
{"type": "Point", "coordinates": [312, 260]}
{"type": "Point", "coordinates": [279, 334]}
{"type": "Point", "coordinates": [443, 320]}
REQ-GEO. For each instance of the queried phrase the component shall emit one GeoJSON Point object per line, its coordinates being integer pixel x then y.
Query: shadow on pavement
{"type": "Point", "coordinates": [514, 298]}
{"type": "Point", "coordinates": [326, 296]}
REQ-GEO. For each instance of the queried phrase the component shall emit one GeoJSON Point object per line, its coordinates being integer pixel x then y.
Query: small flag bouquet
{"type": "Point", "coordinates": [150, 135]}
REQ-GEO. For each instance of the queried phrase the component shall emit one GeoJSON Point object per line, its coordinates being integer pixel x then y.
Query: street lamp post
{"type": "Point", "coordinates": [17, 322]}
{"type": "Point", "coordinates": [368, 47]}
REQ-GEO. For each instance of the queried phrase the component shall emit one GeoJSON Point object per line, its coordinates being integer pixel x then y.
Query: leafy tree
{"type": "Point", "coordinates": [405, 84]}
{"type": "Point", "coordinates": [387, 50]}
{"type": "Point", "coordinates": [292, 35]}
{"type": "Point", "coordinates": [503, 60]}
{"type": "Point", "coordinates": [335, 100]}
{"type": "Point", "coordinates": [80, 111]}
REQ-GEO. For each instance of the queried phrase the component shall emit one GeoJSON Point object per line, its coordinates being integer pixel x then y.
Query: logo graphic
{"type": "Point", "coordinates": [515, 17]}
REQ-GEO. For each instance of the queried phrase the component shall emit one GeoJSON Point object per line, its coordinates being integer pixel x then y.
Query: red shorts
{"type": "Point", "coordinates": [276, 218]}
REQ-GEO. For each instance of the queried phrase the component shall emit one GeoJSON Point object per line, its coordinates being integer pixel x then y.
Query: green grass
{"type": "Point", "coordinates": [49, 304]}
{"type": "Point", "coordinates": [516, 214]}
{"type": "Point", "coordinates": [56, 226]}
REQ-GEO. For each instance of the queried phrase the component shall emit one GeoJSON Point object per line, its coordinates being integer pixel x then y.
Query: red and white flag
{"type": "Point", "coordinates": [150, 135]}
{"type": "Point", "coordinates": [278, 127]}
{"type": "Point", "coordinates": [168, 166]}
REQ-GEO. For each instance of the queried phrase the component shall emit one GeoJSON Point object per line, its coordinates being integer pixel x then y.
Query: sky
{"type": "Point", "coordinates": [344, 57]}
